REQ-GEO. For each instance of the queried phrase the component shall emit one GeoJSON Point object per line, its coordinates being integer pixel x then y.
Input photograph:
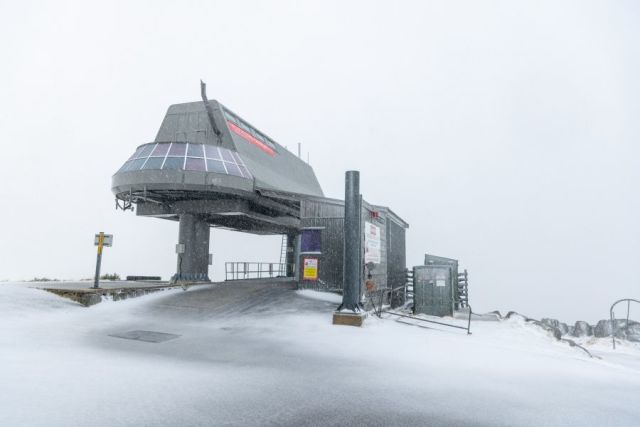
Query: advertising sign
{"type": "Point", "coordinates": [310, 269]}
{"type": "Point", "coordinates": [371, 243]}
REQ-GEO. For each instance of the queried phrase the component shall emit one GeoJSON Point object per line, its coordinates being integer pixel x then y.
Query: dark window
{"type": "Point", "coordinates": [226, 155]}
{"type": "Point", "coordinates": [311, 241]}
{"type": "Point", "coordinates": [173, 163]}
{"type": "Point", "coordinates": [146, 150]}
{"type": "Point", "coordinates": [194, 164]}
{"type": "Point", "coordinates": [153, 163]}
{"type": "Point", "coordinates": [195, 150]}
{"type": "Point", "coordinates": [212, 152]}
{"type": "Point", "coordinates": [160, 150]}
{"type": "Point", "coordinates": [233, 169]}
{"type": "Point", "coordinates": [245, 172]}
{"type": "Point", "coordinates": [216, 166]}
{"type": "Point", "coordinates": [177, 149]}
{"type": "Point", "coordinates": [237, 158]}
{"type": "Point", "coordinates": [136, 164]}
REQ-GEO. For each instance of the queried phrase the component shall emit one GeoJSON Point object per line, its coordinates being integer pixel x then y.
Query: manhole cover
{"type": "Point", "coordinates": [146, 336]}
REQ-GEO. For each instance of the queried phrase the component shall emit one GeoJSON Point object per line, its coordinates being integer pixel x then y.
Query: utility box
{"type": "Point", "coordinates": [435, 285]}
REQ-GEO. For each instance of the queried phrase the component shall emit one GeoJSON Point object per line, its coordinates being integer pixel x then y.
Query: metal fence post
{"type": "Point", "coordinates": [96, 280]}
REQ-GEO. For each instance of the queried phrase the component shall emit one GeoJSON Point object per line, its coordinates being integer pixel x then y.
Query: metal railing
{"type": "Point", "coordinates": [254, 270]}
{"type": "Point", "coordinates": [614, 324]}
{"type": "Point", "coordinates": [379, 296]}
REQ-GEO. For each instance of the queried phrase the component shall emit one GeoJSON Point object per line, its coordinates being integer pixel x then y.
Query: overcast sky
{"type": "Point", "coordinates": [506, 133]}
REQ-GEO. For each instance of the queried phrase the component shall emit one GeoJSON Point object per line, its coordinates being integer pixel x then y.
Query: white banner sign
{"type": "Point", "coordinates": [371, 243]}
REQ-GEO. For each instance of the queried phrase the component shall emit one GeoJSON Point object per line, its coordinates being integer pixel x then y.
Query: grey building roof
{"type": "Point", "coordinates": [190, 162]}
{"type": "Point", "coordinates": [235, 177]}
{"type": "Point", "coordinates": [275, 169]}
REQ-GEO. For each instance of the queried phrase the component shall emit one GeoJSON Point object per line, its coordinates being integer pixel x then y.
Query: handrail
{"type": "Point", "coordinates": [379, 311]}
{"type": "Point", "coordinates": [614, 325]}
{"type": "Point", "coordinates": [253, 270]}
{"type": "Point", "coordinates": [468, 328]}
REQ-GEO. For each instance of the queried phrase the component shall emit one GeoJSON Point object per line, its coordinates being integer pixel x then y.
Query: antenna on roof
{"type": "Point", "coordinates": [203, 93]}
{"type": "Point", "coordinates": [299, 149]}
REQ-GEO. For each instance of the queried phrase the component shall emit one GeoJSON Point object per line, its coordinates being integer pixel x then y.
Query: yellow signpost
{"type": "Point", "coordinates": [100, 241]}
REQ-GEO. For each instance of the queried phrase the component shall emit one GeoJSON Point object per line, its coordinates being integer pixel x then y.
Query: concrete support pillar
{"type": "Point", "coordinates": [202, 233]}
{"type": "Point", "coordinates": [193, 263]}
{"type": "Point", "coordinates": [352, 243]}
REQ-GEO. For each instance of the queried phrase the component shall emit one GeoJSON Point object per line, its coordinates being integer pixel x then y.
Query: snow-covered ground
{"type": "Point", "coordinates": [268, 355]}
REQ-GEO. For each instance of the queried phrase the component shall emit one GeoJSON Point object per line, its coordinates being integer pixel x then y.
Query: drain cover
{"type": "Point", "coordinates": [146, 336]}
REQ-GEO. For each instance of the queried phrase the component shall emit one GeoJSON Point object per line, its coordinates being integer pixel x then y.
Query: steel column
{"type": "Point", "coordinates": [290, 259]}
{"type": "Point", "coordinates": [352, 243]}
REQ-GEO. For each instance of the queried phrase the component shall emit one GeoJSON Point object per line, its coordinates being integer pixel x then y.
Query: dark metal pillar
{"type": "Point", "coordinates": [291, 254]}
{"type": "Point", "coordinates": [193, 263]}
{"type": "Point", "coordinates": [352, 243]}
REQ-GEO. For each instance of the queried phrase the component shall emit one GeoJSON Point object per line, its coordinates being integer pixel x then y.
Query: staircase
{"type": "Point", "coordinates": [408, 289]}
{"type": "Point", "coordinates": [463, 290]}
{"type": "Point", "coordinates": [283, 257]}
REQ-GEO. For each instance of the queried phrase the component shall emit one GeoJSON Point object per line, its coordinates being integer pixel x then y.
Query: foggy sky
{"type": "Point", "coordinates": [505, 133]}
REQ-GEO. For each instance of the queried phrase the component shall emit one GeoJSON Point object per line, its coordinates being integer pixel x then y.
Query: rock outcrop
{"type": "Point", "coordinates": [582, 329]}
{"type": "Point", "coordinates": [629, 331]}
{"type": "Point", "coordinates": [556, 324]}
{"type": "Point", "coordinates": [624, 330]}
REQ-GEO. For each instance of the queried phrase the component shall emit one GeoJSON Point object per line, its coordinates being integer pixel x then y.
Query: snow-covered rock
{"type": "Point", "coordinates": [496, 313]}
{"type": "Point", "coordinates": [556, 324]}
{"type": "Point", "coordinates": [582, 329]}
{"type": "Point", "coordinates": [516, 315]}
{"type": "Point", "coordinates": [629, 331]}
{"type": "Point", "coordinates": [554, 331]}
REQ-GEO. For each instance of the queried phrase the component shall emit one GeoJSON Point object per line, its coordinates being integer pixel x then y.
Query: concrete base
{"type": "Point", "coordinates": [91, 296]}
{"type": "Point", "coordinates": [349, 319]}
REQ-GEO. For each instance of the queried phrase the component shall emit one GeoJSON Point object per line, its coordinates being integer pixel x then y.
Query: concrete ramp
{"type": "Point", "coordinates": [228, 299]}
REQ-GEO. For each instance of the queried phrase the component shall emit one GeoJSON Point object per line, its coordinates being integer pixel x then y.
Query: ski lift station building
{"type": "Point", "coordinates": [209, 167]}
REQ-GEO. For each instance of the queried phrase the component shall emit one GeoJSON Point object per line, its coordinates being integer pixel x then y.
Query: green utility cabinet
{"type": "Point", "coordinates": [435, 285]}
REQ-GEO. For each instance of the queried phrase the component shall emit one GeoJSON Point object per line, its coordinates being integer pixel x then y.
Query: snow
{"type": "Point", "coordinates": [268, 356]}
{"type": "Point", "coordinates": [320, 296]}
